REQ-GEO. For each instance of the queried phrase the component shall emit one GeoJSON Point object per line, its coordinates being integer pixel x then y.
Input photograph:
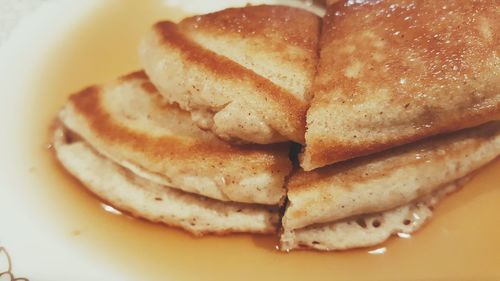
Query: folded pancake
{"type": "Point", "coordinates": [128, 123]}
{"type": "Point", "coordinates": [146, 199]}
{"type": "Point", "coordinates": [386, 180]}
{"type": "Point", "coordinates": [367, 230]}
{"type": "Point", "coordinates": [244, 73]}
{"type": "Point", "coordinates": [393, 72]}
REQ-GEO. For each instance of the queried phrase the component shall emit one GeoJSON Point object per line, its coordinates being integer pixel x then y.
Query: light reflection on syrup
{"type": "Point", "coordinates": [110, 209]}
{"type": "Point", "coordinates": [378, 251]}
{"type": "Point", "coordinates": [404, 235]}
{"type": "Point", "coordinates": [147, 251]}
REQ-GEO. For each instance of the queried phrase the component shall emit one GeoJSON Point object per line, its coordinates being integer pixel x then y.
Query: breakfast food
{"type": "Point", "coordinates": [368, 229]}
{"type": "Point", "coordinates": [202, 138]}
{"type": "Point", "coordinates": [147, 199]}
{"type": "Point", "coordinates": [127, 123]}
{"type": "Point", "coordinates": [393, 72]}
{"type": "Point", "coordinates": [243, 73]}
{"type": "Point", "coordinates": [379, 184]}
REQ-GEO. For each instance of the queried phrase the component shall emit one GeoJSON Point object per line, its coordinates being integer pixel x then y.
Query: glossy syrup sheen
{"type": "Point", "coordinates": [461, 242]}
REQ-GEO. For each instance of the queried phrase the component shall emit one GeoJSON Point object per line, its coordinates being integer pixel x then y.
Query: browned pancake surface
{"type": "Point", "coordinates": [392, 72]}
{"type": "Point", "coordinates": [279, 26]}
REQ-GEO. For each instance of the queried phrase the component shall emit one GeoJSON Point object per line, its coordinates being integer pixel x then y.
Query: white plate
{"type": "Point", "coordinates": [25, 225]}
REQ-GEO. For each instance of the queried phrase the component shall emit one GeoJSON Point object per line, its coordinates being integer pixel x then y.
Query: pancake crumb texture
{"type": "Point", "coordinates": [366, 230]}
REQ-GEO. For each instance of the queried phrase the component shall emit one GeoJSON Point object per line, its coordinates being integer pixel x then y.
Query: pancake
{"type": "Point", "coordinates": [146, 199]}
{"type": "Point", "coordinates": [389, 179]}
{"type": "Point", "coordinates": [367, 230]}
{"type": "Point", "coordinates": [243, 73]}
{"type": "Point", "coordinates": [128, 122]}
{"type": "Point", "coordinates": [393, 72]}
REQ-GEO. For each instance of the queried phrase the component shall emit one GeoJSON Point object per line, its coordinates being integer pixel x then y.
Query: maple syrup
{"type": "Point", "coordinates": [460, 242]}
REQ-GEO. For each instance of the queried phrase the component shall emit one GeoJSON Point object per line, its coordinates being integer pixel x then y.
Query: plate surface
{"type": "Point", "coordinates": [55, 230]}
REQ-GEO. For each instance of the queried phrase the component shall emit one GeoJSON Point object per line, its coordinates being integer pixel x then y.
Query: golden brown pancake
{"type": "Point", "coordinates": [367, 229]}
{"type": "Point", "coordinates": [244, 73]}
{"type": "Point", "coordinates": [155, 202]}
{"type": "Point", "coordinates": [393, 72]}
{"type": "Point", "coordinates": [128, 122]}
{"type": "Point", "coordinates": [389, 179]}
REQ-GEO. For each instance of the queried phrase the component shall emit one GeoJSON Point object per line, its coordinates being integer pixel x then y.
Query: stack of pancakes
{"type": "Point", "coordinates": [394, 103]}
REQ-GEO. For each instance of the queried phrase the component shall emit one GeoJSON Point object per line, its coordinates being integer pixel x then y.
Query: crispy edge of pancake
{"type": "Point", "coordinates": [388, 179]}
{"type": "Point", "coordinates": [257, 20]}
{"type": "Point", "coordinates": [155, 157]}
{"type": "Point", "coordinates": [368, 229]}
{"type": "Point", "coordinates": [141, 198]}
{"type": "Point", "coordinates": [276, 115]}
{"type": "Point", "coordinates": [325, 153]}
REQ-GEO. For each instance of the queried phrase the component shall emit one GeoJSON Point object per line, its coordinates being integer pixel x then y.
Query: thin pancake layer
{"type": "Point", "coordinates": [244, 73]}
{"type": "Point", "coordinates": [388, 179]}
{"type": "Point", "coordinates": [366, 230]}
{"type": "Point", "coordinates": [392, 72]}
{"type": "Point", "coordinates": [129, 123]}
{"type": "Point", "coordinates": [157, 203]}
